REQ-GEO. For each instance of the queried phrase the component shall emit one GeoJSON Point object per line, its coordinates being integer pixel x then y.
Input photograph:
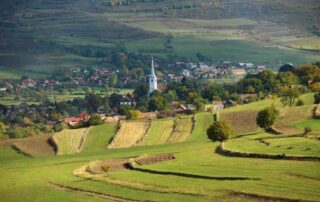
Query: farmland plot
{"type": "Point", "coordinates": [202, 123]}
{"type": "Point", "coordinates": [182, 130]}
{"type": "Point", "coordinates": [35, 146]}
{"type": "Point", "coordinates": [70, 141]}
{"type": "Point", "coordinates": [291, 115]}
{"type": "Point", "coordinates": [159, 132]}
{"type": "Point", "coordinates": [129, 134]}
{"type": "Point", "coordinates": [242, 122]}
{"type": "Point", "coordinates": [295, 146]}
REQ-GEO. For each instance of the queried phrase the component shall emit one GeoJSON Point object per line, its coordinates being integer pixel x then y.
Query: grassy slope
{"type": "Point", "coordinates": [129, 134]}
{"type": "Point", "coordinates": [29, 176]}
{"type": "Point", "coordinates": [159, 132]}
{"type": "Point", "coordinates": [182, 130]}
{"type": "Point", "coordinates": [202, 122]}
{"type": "Point", "coordinates": [99, 137]}
{"type": "Point", "coordinates": [70, 141]}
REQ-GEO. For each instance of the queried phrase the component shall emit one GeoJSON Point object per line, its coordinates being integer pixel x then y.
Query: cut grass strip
{"type": "Point", "coordinates": [70, 141]}
{"type": "Point", "coordinates": [129, 134]}
{"type": "Point", "coordinates": [202, 123]}
{"type": "Point", "coordinates": [159, 132]}
{"type": "Point", "coordinates": [182, 130]}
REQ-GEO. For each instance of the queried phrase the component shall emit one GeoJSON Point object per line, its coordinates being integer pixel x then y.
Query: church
{"type": "Point", "coordinates": [153, 83]}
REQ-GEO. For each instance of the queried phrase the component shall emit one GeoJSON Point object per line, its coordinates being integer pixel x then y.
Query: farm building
{"type": "Point", "coordinates": [218, 105]}
{"type": "Point", "coordinates": [238, 72]}
{"type": "Point", "coordinates": [126, 101]}
{"type": "Point", "coordinates": [72, 121]}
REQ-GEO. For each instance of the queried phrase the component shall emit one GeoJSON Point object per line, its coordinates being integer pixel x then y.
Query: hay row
{"type": "Point", "coordinates": [146, 160]}
{"type": "Point", "coordinates": [226, 152]}
{"type": "Point", "coordinates": [70, 141]}
{"type": "Point", "coordinates": [129, 134]}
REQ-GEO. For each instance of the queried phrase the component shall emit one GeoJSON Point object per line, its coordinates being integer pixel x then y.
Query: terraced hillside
{"type": "Point", "coordinates": [258, 167]}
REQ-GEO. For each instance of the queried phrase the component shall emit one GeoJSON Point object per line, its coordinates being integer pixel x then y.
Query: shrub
{"type": "Point", "coordinates": [220, 131]}
{"type": "Point", "coordinates": [317, 112]}
{"type": "Point", "coordinates": [307, 130]}
{"type": "Point", "coordinates": [267, 117]}
{"type": "Point", "coordinates": [300, 102]}
{"type": "Point", "coordinates": [59, 126]}
{"type": "Point", "coordinates": [134, 114]}
{"type": "Point", "coordinates": [95, 119]}
{"type": "Point", "coordinates": [317, 98]}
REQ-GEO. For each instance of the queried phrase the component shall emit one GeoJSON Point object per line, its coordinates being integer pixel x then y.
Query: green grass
{"type": "Point", "coordinates": [182, 130]}
{"type": "Point", "coordinates": [202, 123]}
{"type": "Point", "coordinates": [197, 168]}
{"type": "Point", "coordinates": [312, 123]}
{"type": "Point", "coordinates": [299, 146]}
{"type": "Point", "coordinates": [159, 132]}
{"type": "Point", "coordinates": [99, 137]}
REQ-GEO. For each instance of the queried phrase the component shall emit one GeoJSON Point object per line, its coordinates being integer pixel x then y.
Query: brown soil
{"type": "Point", "coordinates": [36, 146]}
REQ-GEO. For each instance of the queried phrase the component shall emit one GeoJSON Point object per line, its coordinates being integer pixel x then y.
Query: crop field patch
{"type": "Point", "coordinates": [129, 134]}
{"type": "Point", "coordinates": [40, 145]}
{"type": "Point", "coordinates": [182, 130]}
{"type": "Point", "coordinates": [70, 141]}
{"type": "Point", "coordinates": [159, 132]}
{"type": "Point", "coordinates": [291, 115]}
{"type": "Point", "coordinates": [241, 122]}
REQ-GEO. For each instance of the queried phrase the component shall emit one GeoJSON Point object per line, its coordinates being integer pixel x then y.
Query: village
{"type": "Point", "coordinates": [112, 106]}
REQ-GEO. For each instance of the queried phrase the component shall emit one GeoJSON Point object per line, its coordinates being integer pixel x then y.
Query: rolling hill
{"type": "Point", "coordinates": [45, 35]}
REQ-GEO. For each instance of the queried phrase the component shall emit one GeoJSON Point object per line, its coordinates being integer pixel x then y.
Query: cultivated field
{"type": "Point", "coordinates": [40, 145]}
{"type": "Point", "coordinates": [129, 134]}
{"type": "Point", "coordinates": [182, 130]}
{"type": "Point", "coordinates": [241, 122]}
{"type": "Point", "coordinates": [289, 116]}
{"type": "Point", "coordinates": [70, 141]}
{"type": "Point", "coordinates": [159, 132]}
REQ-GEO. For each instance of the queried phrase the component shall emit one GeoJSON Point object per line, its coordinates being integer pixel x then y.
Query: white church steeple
{"type": "Point", "coordinates": [153, 83]}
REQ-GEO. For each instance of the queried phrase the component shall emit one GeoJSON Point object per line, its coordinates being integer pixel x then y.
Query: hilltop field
{"type": "Point", "coordinates": [40, 36]}
{"type": "Point", "coordinates": [170, 159]}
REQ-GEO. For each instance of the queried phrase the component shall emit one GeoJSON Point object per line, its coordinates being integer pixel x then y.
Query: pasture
{"type": "Point", "coordinates": [197, 172]}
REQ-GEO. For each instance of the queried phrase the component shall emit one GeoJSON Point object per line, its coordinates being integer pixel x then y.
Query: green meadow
{"type": "Point", "coordinates": [197, 173]}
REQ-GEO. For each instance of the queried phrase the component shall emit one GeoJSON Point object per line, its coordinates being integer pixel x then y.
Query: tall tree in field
{"type": "Point", "coordinates": [267, 117]}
